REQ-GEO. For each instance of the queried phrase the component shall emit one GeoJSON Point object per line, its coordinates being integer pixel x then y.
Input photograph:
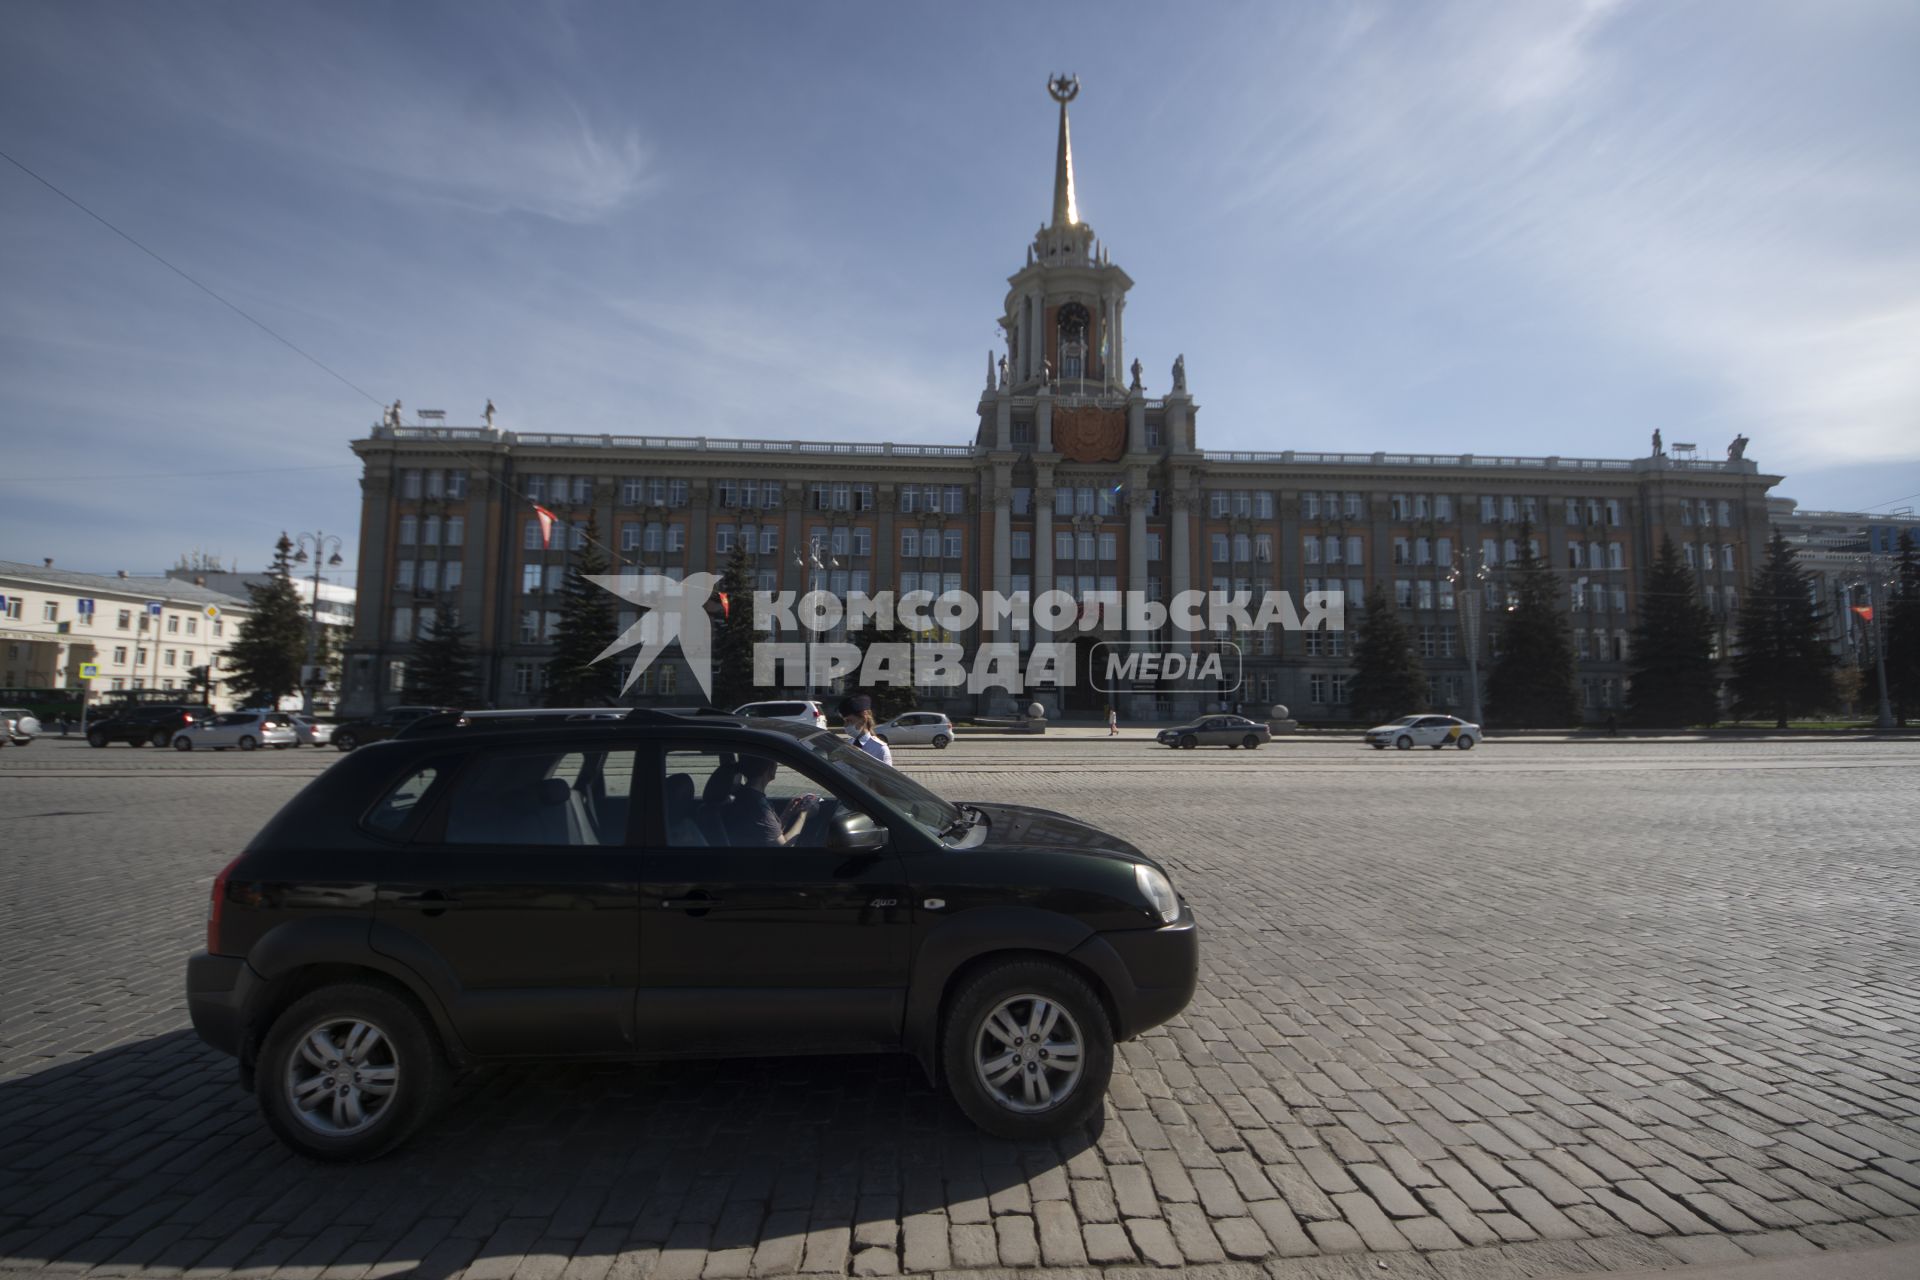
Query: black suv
{"type": "Point", "coordinates": [668, 886]}
{"type": "Point", "coordinates": [140, 726]}
{"type": "Point", "coordinates": [380, 726]}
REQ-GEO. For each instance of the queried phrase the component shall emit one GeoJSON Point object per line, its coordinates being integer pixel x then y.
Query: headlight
{"type": "Point", "coordinates": [1158, 891]}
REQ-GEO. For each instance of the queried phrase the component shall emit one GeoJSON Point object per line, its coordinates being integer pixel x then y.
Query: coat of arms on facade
{"type": "Point", "coordinates": [1090, 434]}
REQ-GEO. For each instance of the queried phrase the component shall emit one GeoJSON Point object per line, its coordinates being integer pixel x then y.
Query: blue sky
{"type": "Point", "coordinates": [1534, 227]}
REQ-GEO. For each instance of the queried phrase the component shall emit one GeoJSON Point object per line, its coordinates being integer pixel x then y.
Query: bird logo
{"type": "Point", "coordinates": [673, 611]}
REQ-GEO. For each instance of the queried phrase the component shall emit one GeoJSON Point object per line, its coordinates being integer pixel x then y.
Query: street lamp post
{"type": "Point", "coordinates": [319, 543]}
{"type": "Point", "coordinates": [811, 563]}
{"type": "Point", "coordinates": [1469, 578]}
{"type": "Point", "coordinates": [1872, 576]}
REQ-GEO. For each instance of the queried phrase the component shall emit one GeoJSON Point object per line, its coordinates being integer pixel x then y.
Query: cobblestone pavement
{"type": "Point", "coordinates": [1535, 1009]}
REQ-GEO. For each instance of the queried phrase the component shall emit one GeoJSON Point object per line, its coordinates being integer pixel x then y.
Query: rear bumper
{"type": "Point", "coordinates": [1151, 973]}
{"type": "Point", "coordinates": [217, 988]}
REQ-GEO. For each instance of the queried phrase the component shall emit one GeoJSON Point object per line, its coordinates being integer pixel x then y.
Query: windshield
{"type": "Point", "coordinates": [927, 810]}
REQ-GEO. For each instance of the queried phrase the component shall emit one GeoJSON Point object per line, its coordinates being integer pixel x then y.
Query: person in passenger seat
{"type": "Point", "coordinates": [751, 819]}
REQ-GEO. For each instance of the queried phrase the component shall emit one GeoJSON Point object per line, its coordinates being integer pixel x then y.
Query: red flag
{"type": "Point", "coordinates": [726, 605]}
{"type": "Point", "coordinates": [1865, 611]}
{"type": "Point", "coordinates": [546, 525]}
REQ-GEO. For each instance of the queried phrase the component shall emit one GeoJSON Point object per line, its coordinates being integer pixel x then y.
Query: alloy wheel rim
{"type": "Point", "coordinates": [1028, 1053]}
{"type": "Point", "coordinates": [341, 1076]}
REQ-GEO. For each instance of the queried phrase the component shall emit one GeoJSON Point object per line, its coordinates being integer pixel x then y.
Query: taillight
{"type": "Point", "coordinates": [214, 903]}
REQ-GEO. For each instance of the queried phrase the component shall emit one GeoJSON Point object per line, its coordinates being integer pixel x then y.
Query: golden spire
{"type": "Point", "coordinates": [1063, 89]}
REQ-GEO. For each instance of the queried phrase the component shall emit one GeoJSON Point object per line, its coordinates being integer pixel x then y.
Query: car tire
{"type": "Point", "coordinates": [1251, 742]}
{"type": "Point", "coordinates": [1466, 743]}
{"type": "Point", "coordinates": [1020, 989]}
{"type": "Point", "coordinates": [1403, 743]}
{"type": "Point", "coordinates": [247, 744]}
{"type": "Point", "coordinates": [407, 1054]}
{"type": "Point", "coordinates": [183, 743]}
{"type": "Point", "coordinates": [344, 741]}
{"type": "Point", "coordinates": [159, 737]}
{"type": "Point", "coordinates": [940, 740]}
{"type": "Point", "coordinates": [97, 740]}
{"type": "Point", "coordinates": [1188, 742]}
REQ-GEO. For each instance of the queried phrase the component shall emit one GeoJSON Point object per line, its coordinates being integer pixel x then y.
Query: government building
{"type": "Point", "coordinates": [1079, 478]}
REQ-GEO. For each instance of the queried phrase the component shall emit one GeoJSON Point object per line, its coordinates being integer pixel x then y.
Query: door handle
{"type": "Point", "coordinates": [432, 902]}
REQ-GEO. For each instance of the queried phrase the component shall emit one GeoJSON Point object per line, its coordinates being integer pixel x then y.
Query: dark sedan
{"type": "Point", "coordinates": [1217, 731]}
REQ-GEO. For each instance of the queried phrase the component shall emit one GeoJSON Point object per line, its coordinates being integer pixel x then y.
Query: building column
{"type": "Point", "coordinates": [1043, 421]}
{"type": "Point", "coordinates": [1181, 529]}
{"type": "Point", "coordinates": [1003, 541]}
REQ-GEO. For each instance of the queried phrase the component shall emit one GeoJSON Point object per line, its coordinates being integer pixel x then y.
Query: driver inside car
{"type": "Point", "coordinates": [752, 819]}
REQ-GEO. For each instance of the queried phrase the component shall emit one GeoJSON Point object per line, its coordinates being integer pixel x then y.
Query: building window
{"type": "Point", "coordinates": [953, 547]}
{"type": "Point", "coordinates": [529, 578]}
{"type": "Point", "coordinates": [429, 575]}
{"type": "Point", "coordinates": [1219, 547]}
{"type": "Point", "coordinates": [1153, 545]}
{"type": "Point", "coordinates": [1340, 690]}
{"type": "Point", "coordinates": [409, 483]}
{"type": "Point", "coordinates": [1443, 507]}
{"type": "Point", "coordinates": [1022, 545]}
{"type": "Point", "coordinates": [1309, 506]}
{"type": "Point", "coordinates": [1317, 684]}
{"type": "Point", "coordinates": [676, 536]}
{"type": "Point", "coordinates": [1063, 546]}
{"type": "Point", "coordinates": [403, 575]}
{"type": "Point", "coordinates": [456, 484]}
{"type": "Point", "coordinates": [1263, 504]}
{"type": "Point", "coordinates": [403, 622]}
{"type": "Point", "coordinates": [1022, 433]}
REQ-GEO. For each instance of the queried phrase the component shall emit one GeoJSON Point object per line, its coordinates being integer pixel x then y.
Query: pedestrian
{"type": "Point", "coordinates": [856, 716]}
{"type": "Point", "coordinates": [1113, 722]}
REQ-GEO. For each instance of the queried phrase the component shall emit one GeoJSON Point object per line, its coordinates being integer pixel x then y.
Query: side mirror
{"type": "Point", "coordinates": [856, 832]}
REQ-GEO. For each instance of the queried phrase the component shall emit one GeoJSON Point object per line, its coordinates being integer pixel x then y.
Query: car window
{"type": "Point", "coordinates": [744, 800]}
{"type": "Point", "coordinates": [542, 796]}
{"type": "Point", "coordinates": [398, 807]}
{"type": "Point", "coordinates": [920, 806]}
{"type": "Point", "coordinates": [232, 718]}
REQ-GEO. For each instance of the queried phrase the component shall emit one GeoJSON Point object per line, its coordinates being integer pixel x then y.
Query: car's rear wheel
{"type": "Point", "coordinates": [1466, 743]}
{"type": "Point", "coordinates": [159, 737]}
{"type": "Point", "coordinates": [345, 741]}
{"type": "Point", "coordinates": [1251, 742]}
{"type": "Point", "coordinates": [941, 740]}
{"type": "Point", "coordinates": [1403, 743]}
{"type": "Point", "coordinates": [1027, 1050]}
{"type": "Point", "coordinates": [1188, 742]}
{"type": "Point", "coordinates": [96, 739]}
{"type": "Point", "coordinates": [183, 743]}
{"type": "Point", "coordinates": [247, 744]}
{"type": "Point", "coordinates": [349, 1072]}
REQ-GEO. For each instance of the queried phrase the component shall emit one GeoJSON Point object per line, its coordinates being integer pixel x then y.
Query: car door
{"type": "Point", "coordinates": [909, 730]}
{"type": "Point", "coordinates": [752, 947]}
{"type": "Point", "coordinates": [518, 899]}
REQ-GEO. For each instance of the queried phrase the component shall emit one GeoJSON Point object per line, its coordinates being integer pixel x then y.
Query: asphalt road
{"type": "Point", "coordinates": [1531, 1010]}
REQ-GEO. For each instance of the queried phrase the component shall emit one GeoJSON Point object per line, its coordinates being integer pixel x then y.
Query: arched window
{"type": "Point", "coordinates": [1073, 322]}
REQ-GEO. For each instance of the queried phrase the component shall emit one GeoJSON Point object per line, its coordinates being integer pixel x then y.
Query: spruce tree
{"type": "Point", "coordinates": [1903, 633]}
{"type": "Point", "coordinates": [1388, 680]}
{"type": "Point", "coordinates": [733, 633]}
{"type": "Point", "coordinates": [890, 699]}
{"type": "Point", "coordinates": [440, 670]}
{"type": "Point", "coordinates": [1532, 684]}
{"type": "Point", "coordinates": [264, 660]}
{"type": "Point", "coordinates": [586, 626]}
{"type": "Point", "coordinates": [1674, 681]}
{"type": "Point", "coordinates": [1782, 666]}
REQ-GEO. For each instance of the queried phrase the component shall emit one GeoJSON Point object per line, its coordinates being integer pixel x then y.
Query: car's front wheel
{"type": "Point", "coordinates": [345, 741]}
{"type": "Point", "coordinates": [1403, 743]}
{"type": "Point", "coordinates": [1466, 743]}
{"type": "Point", "coordinates": [1188, 742]}
{"type": "Point", "coordinates": [346, 1073]}
{"type": "Point", "coordinates": [1027, 1050]}
{"type": "Point", "coordinates": [941, 740]}
{"type": "Point", "coordinates": [183, 743]}
{"type": "Point", "coordinates": [96, 739]}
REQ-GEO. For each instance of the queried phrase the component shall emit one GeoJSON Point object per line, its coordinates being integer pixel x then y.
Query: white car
{"type": "Point", "coordinates": [246, 730]}
{"type": "Point", "coordinates": [1409, 732]}
{"type": "Point", "coordinates": [915, 728]}
{"type": "Point", "coordinates": [18, 726]}
{"type": "Point", "coordinates": [310, 732]}
{"type": "Point", "coordinates": [796, 710]}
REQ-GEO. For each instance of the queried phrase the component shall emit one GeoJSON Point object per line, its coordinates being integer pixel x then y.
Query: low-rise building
{"type": "Point", "coordinates": [140, 633]}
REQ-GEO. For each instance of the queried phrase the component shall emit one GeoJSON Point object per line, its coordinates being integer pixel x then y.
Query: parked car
{"type": "Point", "coordinates": [140, 726]}
{"type": "Point", "coordinates": [794, 711]}
{"type": "Point", "coordinates": [247, 730]}
{"type": "Point", "coordinates": [1217, 731]}
{"type": "Point", "coordinates": [1409, 732]}
{"type": "Point", "coordinates": [380, 726]}
{"type": "Point", "coordinates": [474, 894]}
{"type": "Point", "coordinates": [916, 728]}
{"type": "Point", "coordinates": [18, 727]}
{"type": "Point", "coordinates": [311, 732]}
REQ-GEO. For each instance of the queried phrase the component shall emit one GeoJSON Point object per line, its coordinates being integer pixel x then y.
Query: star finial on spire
{"type": "Point", "coordinates": [1064, 89]}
